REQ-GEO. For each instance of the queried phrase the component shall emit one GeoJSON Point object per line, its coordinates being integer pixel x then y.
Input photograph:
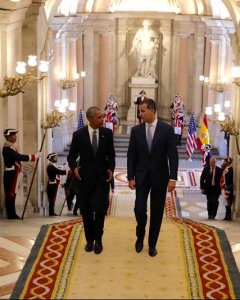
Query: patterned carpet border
{"type": "Point", "coordinates": [47, 269]}
{"type": "Point", "coordinates": [210, 266]}
{"type": "Point", "coordinates": [208, 248]}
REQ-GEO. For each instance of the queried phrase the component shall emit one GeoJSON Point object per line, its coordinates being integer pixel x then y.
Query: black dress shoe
{"type": "Point", "coordinates": [53, 214]}
{"type": "Point", "coordinates": [98, 247]}
{"type": "Point", "coordinates": [14, 217]}
{"type": "Point", "coordinates": [152, 252]}
{"type": "Point", "coordinates": [139, 245]}
{"type": "Point", "coordinates": [89, 247]}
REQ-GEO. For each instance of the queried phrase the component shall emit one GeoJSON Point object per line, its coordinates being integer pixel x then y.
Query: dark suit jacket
{"type": "Point", "coordinates": [161, 164]}
{"type": "Point", "coordinates": [206, 179]}
{"type": "Point", "coordinates": [93, 168]}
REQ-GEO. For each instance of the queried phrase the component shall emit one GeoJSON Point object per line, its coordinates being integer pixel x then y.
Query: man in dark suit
{"type": "Point", "coordinates": [210, 186]}
{"type": "Point", "coordinates": [152, 165]}
{"type": "Point", "coordinates": [94, 145]}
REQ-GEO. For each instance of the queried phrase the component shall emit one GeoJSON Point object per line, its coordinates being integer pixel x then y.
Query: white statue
{"type": "Point", "coordinates": [145, 44]}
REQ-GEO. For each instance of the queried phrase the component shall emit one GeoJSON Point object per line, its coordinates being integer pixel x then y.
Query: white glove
{"type": "Point", "coordinates": [38, 155]}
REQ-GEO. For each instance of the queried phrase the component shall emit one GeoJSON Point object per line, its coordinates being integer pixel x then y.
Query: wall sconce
{"type": "Point", "coordinates": [65, 107]}
{"type": "Point", "coordinates": [15, 85]}
{"type": "Point", "coordinates": [204, 79]}
{"type": "Point", "coordinates": [217, 87]}
{"type": "Point", "coordinates": [236, 75]}
{"type": "Point", "coordinates": [225, 121]}
{"type": "Point", "coordinates": [69, 83]}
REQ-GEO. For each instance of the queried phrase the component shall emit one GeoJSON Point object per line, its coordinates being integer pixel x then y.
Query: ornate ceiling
{"type": "Point", "coordinates": [218, 9]}
{"type": "Point", "coordinates": [193, 7]}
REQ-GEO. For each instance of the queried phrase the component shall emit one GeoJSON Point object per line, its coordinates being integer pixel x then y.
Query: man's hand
{"type": "Point", "coordinates": [171, 185]}
{"type": "Point", "coordinates": [132, 184]}
{"type": "Point", "coordinates": [76, 173]}
{"type": "Point", "coordinates": [110, 175]}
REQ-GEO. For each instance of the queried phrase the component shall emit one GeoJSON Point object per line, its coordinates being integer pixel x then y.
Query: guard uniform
{"type": "Point", "coordinates": [53, 181]}
{"type": "Point", "coordinates": [138, 101]}
{"type": "Point", "coordinates": [227, 187]}
{"type": "Point", "coordinates": [12, 170]}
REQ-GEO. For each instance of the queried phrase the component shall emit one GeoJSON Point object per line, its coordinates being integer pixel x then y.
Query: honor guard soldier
{"type": "Point", "coordinates": [138, 101]}
{"type": "Point", "coordinates": [12, 170]}
{"type": "Point", "coordinates": [53, 181]}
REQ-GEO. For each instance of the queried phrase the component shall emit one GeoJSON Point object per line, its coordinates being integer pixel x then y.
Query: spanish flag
{"type": "Point", "coordinates": [203, 135]}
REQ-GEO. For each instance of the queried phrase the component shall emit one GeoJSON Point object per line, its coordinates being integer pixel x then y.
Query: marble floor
{"type": "Point", "coordinates": [17, 236]}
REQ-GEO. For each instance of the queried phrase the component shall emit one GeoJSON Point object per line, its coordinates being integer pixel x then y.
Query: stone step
{"type": "Point", "coordinates": [121, 142]}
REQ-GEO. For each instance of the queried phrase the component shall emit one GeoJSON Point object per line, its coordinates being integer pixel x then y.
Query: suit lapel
{"type": "Point", "coordinates": [143, 133]}
{"type": "Point", "coordinates": [101, 139]}
{"type": "Point", "coordinates": [88, 139]}
{"type": "Point", "coordinates": [156, 134]}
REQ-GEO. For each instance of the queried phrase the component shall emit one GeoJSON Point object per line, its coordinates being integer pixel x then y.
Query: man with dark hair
{"type": "Point", "coordinates": [94, 146]}
{"type": "Point", "coordinates": [12, 169]}
{"type": "Point", "coordinates": [152, 165]}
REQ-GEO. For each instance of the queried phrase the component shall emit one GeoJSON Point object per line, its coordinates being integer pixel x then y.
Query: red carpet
{"type": "Point", "coordinates": [209, 264]}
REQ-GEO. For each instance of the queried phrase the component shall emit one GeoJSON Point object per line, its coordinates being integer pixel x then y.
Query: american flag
{"type": "Point", "coordinates": [80, 121]}
{"type": "Point", "coordinates": [191, 137]}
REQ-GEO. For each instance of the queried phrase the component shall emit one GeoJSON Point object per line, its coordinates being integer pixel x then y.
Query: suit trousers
{"type": "Point", "coordinates": [92, 214]}
{"type": "Point", "coordinates": [157, 202]}
{"type": "Point", "coordinates": [212, 202]}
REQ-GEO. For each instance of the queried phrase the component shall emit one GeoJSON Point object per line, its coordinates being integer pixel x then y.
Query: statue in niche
{"type": "Point", "coordinates": [145, 44]}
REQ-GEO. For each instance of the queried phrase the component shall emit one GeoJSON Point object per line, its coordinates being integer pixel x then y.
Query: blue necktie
{"type": "Point", "coordinates": [149, 136]}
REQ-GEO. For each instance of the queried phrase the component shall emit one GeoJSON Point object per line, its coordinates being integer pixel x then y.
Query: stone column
{"type": "Point", "coordinates": [54, 73]}
{"type": "Point", "coordinates": [11, 107]}
{"type": "Point", "coordinates": [89, 49]}
{"type": "Point", "coordinates": [72, 96]}
{"type": "Point", "coordinates": [121, 67]}
{"type": "Point", "coordinates": [106, 71]}
{"type": "Point", "coordinates": [165, 77]}
{"type": "Point", "coordinates": [34, 41]}
{"type": "Point", "coordinates": [80, 67]}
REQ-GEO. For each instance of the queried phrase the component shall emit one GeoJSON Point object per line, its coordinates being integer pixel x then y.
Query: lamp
{"type": "Point", "coordinates": [15, 85]}
{"type": "Point", "coordinates": [224, 119]}
{"type": "Point", "coordinates": [217, 87]}
{"type": "Point", "coordinates": [236, 75]}
{"type": "Point", "coordinates": [65, 107]}
{"type": "Point", "coordinates": [204, 79]}
{"type": "Point", "coordinates": [69, 83]}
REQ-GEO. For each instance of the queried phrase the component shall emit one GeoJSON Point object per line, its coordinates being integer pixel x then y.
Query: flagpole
{"type": "Point", "coordinates": [34, 172]}
{"type": "Point", "coordinates": [52, 120]}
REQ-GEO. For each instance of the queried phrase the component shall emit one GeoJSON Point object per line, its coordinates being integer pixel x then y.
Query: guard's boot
{"type": "Point", "coordinates": [51, 210]}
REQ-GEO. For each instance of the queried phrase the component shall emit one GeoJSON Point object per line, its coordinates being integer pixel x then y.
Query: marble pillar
{"type": "Point", "coordinates": [80, 67]}
{"type": "Point", "coordinates": [11, 107]}
{"type": "Point", "coordinates": [121, 62]}
{"type": "Point", "coordinates": [106, 74]}
{"type": "Point", "coordinates": [165, 91]}
{"type": "Point", "coordinates": [89, 54]}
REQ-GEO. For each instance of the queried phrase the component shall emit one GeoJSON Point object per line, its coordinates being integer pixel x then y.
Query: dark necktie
{"type": "Point", "coordinates": [213, 176]}
{"type": "Point", "coordinates": [94, 141]}
{"type": "Point", "coordinates": [149, 137]}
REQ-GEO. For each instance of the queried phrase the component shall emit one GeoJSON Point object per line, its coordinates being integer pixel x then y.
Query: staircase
{"type": "Point", "coordinates": [121, 142]}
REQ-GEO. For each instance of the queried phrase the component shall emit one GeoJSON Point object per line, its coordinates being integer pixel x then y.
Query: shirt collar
{"type": "Point", "coordinates": [90, 130]}
{"type": "Point", "coordinates": [154, 123]}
